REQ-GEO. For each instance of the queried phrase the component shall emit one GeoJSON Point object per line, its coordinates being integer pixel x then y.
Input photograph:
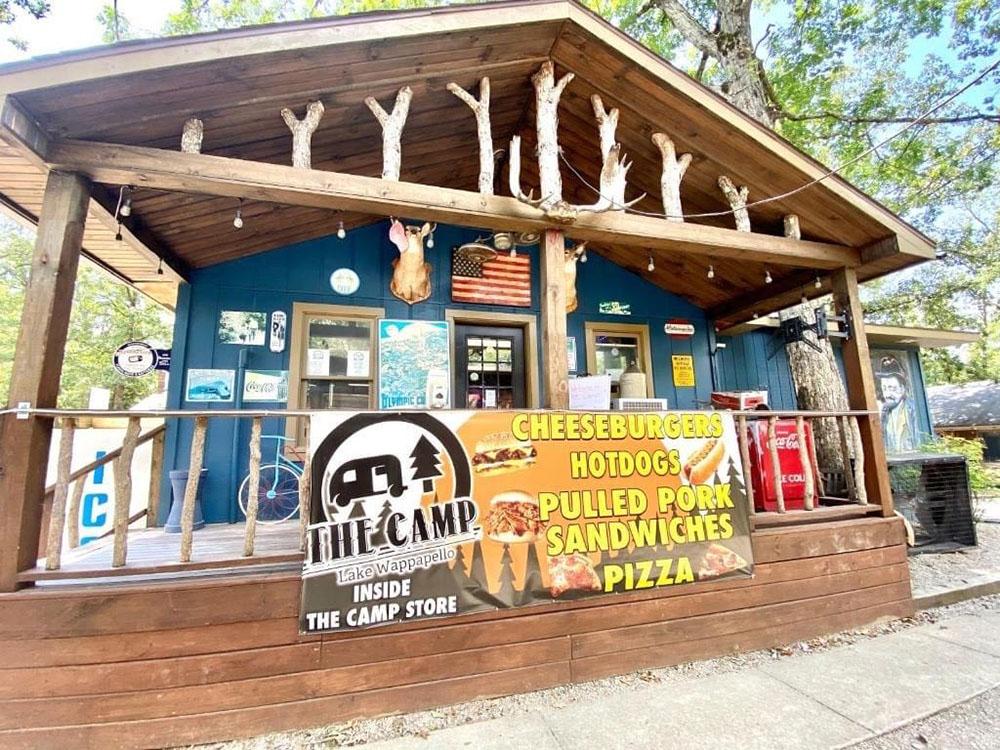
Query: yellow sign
{"type": "Point", "coordinates": [683, 370]}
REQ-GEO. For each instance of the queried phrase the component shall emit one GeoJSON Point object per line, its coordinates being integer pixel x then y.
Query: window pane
{"type": "Point", "coordinates": [346, 341]}
{"type": "Point", "coordinates": [336, 394]}
{"type": "Point", "coordinates": [614, 353]}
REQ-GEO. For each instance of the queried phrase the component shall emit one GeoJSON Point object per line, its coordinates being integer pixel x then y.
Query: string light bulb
{"type": "Point", "coordinates": [818, 284]}
{"type": "Point", "coordinates": [238, 219]}
{"type": "Point", "coordinates": [126, 209]}
{"type": "Point", "coordinates": [159, 268]}
{"type": "Point", "coordinates": [513, 251]}
{"type": "Point", "coordinates": [118, 234]}
{"type": "Point", "coordinates": [652, 266]}
{"type": "Point", "coordinates": [767, 276]}
{"type": "Point", "coordinates": [341, 232]}
{"type": "Point", "coordinates": [711, 272]}
{"type": "Point", "coordinates": [583, 258]}
{"type": "Point", "coordinates": [430, 240]}
{"type": "Point", "coordinates": [754, 314]}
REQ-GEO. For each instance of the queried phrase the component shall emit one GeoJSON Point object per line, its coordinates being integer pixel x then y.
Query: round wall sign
{"type": "Point", "coordinates": [344, 281]}
{"type": "Point", "coordinates": [134, 359]}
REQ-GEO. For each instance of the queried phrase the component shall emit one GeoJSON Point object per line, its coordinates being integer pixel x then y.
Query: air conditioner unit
{"type": "Point", "coordinates": [932, 492]}
{"type": "Point", "coordinates": [640, 404]}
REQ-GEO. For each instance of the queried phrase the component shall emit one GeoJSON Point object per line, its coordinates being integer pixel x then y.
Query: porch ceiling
{"type": "Point", "coordinates": [236, 82]}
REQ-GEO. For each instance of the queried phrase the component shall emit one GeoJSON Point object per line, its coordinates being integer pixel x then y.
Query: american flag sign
{"type": "Point", "coordinates": [499, 280]}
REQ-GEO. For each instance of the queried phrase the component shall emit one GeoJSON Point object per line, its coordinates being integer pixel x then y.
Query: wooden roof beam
{"type": "Point", "coordinates": [215, 175]}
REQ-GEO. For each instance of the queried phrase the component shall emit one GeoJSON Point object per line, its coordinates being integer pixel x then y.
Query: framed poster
{"type": "Point", "coordinates": [414, 364]}
{"type": "Point", "coordinates": [242, 327]}
{"type": "Point", "coordinates": [209, 385]}
{"type": "Point", "coordinates": [266, 385]}
{"type": "Point", "coordinates": [894, 391]}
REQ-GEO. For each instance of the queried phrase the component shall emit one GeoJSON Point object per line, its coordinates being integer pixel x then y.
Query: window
{"type": "Point", "coordinates": [332, 359]}
{"type": "Point", "coordinates": [612, 347]}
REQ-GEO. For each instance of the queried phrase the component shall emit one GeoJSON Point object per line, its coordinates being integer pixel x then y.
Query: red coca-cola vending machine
{"type": "Point", "coordinates": [793, 482]}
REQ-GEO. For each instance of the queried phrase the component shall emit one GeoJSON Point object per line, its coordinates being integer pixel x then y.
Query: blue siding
{"type": "Point", "coordinates": [300, 273]}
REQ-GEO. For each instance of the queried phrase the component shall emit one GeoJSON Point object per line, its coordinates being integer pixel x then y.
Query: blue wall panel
{"type": "Point", "coordinates": [300, 273]}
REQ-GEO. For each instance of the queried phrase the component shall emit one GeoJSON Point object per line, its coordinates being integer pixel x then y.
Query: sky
{"type": "Point", "coordinates": [72, 24]}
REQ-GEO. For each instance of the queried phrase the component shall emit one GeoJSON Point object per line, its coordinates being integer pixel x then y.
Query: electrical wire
{"type": "Point", "coordinates": [787, 194]}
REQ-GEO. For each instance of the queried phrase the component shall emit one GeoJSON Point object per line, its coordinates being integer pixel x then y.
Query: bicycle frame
{"type": "Point", "coordinates": [279, 459]}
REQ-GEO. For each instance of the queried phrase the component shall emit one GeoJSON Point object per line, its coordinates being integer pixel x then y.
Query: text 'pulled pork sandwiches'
{"type": "Point", "coordinates": [501, 451]}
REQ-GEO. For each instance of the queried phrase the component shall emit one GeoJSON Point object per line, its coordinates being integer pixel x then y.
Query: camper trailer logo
{"type": "Point", "coordinates": [390, 495]}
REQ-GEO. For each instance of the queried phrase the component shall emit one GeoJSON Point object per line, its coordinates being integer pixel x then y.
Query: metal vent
{"type": "Point", "coordinates": [640, 404]}
{"type": "Point", "coordinates": [932, 492]}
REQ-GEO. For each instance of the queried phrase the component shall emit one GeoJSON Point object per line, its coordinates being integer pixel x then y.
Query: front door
{"type": "Point", "coordinates": [489, 367]}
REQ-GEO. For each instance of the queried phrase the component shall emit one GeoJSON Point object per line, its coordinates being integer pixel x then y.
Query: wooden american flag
{"type": "Point", "coordinates": [502, 280]}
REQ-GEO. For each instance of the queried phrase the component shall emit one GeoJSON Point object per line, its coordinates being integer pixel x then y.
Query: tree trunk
{"type": "Point", "coordinates": [745, 84]}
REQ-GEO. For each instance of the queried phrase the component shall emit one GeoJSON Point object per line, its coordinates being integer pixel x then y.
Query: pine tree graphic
{"type": "Point", "coordinates": [532, 576]}
{"type": "Point", "coordinates": [506, 591]}
{"type": "Point", "coordinates": [425, 463]}
{"type": "Point", "coordinates": [459, 568]}
{"type": "Point", "coordinates": [379, 538]}
{"type": "Point", "coordinates": [478, 570]}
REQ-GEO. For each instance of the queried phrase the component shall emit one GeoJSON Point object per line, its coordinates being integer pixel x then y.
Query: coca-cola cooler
{"type": "Point", "coordinates": [793, 483]}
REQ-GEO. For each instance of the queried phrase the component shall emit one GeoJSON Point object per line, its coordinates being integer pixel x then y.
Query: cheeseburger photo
{"type": "Point", "coordinates": [513, 517]}
{"type": "Point", "coordinates": [500, 452]}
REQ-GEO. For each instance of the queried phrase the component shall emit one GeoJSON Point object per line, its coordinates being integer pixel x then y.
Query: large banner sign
{"type": "Point", "coordinates": [417, 514]}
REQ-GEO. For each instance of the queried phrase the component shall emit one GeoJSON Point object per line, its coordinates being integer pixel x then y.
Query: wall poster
{"type": "Point", "coordinates": [414, 364]}
{"type": "Point", "coordinates": [209, 385]}
{"type": "Point", "coordinates": [428, 514]}
{"type": "Point", "coordinates": [241, 327]}
{"type": "Point", "coordinates": [683, 367]}
{"type": "Point", "coordinates": [894, 390]}
{"type": "Point", "coordinates": [266, 385]}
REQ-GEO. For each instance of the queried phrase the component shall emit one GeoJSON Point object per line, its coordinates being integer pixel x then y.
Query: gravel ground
{"type": "Point", "coordinates": [949, 569]}
{"type": "Point", "coordinates": [974, 725]}
{"type": "Point", "coordinates": [422, 723]}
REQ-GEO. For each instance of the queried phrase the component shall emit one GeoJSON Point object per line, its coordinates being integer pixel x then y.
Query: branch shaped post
{"type": "Point", "coordinates": [737, 198]}
{"type": "Point", "coordinates": [614, 168]}
{"type": "Point", "coordinates": [192, 135]}
{"type": "Point", "coordinates": [671, 175]}
{"type": "Point", "coordinates": [392, 131]}
{"type": "Point", "coordinates": [302, 131]}
{"type": "Point", "coordinates": [57, 516]}
{"type": "Point", "coordinates": [123, 491]}
{"type": "Point", "coordinates": [481, 109]}
{"type": "Point", "coordinates": [607, 124]}
{"type": "Point", "coordinates": [547, 94]}
{"type": "Point", "coordinates": [253, 490]}
{"type": "Point", "coordinates": [792, 228]}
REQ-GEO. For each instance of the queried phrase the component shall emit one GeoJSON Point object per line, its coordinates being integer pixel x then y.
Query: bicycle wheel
{"type": "Point", "coordinates": [277, 494]}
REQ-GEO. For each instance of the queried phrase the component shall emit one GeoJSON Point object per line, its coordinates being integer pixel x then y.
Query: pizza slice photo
{"type": "Point", "coordinates": [572, 573]}
{"type": "Point", "coordinates": [720, 560]}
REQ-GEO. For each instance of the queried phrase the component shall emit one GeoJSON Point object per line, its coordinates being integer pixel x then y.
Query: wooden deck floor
{"type": "Point", "coordinates": [153, 551]}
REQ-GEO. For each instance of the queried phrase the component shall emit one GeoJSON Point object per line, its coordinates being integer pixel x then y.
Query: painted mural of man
{"type": "Point", "coordinates": [899, 417]}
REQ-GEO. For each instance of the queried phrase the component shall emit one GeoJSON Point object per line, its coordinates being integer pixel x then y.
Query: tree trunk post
{"type": "Point", "coordinates": [155, 472]}
{"type": "Point", "coordinates": [547, 94]}
{"type": "Point", "coordinates": [392, 131]}
{"type": "Point", "coordinates": [191, 489]}
{"type": "Point", "coordinates": [123, 491]}
{"type": "Point", "coordinates": [807, 471]}
{"type": "Point", "coordinates": [554, 320]}
{"type": "Point", "coordinates": [861, 390]}
{"type": "Point", "coordinates": [253, 488]}
{"type": "Point", "coordinates": [772, 450]}
{"type": "Point", "coordinates": [57, 517]}
{"type": "Point", "coordinates": [302, 131]}
{"type": "Point", "coordinates": [737, 198]}
{"type": "Point", "coordinates": [671, 176]}
{"type": "Point", "coordinates": [38, 357]}
{"type": "Point", "coordinates": [73, 530]}
{"type": "Point", "coordinates": [305, 489]}
{"type": "Point", "coordinates": [481, 109]}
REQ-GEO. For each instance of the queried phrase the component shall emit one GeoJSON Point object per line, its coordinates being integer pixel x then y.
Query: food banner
{"type": "Point", "coordinates": [429, 514]}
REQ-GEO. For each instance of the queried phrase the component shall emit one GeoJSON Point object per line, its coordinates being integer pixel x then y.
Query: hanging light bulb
{"type": "Point", "coordinates": [711, 272]}
{"type": "Point", "coordinates": [818, 284]}
{"type": "Point", "coordinates": [238, 219]}
{"type": "Point", "coordinates": [583, 258]}
{"type": "Point", "coordinates": [118, 234]}
{"type": "Point", "coordinates": [159, 268]}
{"type": "Point", "coordinates": [430, 241]}
{"type": "Point", "coordinates": [805, 300]}
{"type": "Point", "coordinates": [754, 314]}
{"type": "Point", "coordinates": [126, 209]}
{"type": "Point", "coordinates": [651, 267]}
{"type": "Point", "coordinates": [341, 232]}
{"type": "Point", "coordinates": [513, 251]}
{"type": "Point", "coordinates": [767, 276]}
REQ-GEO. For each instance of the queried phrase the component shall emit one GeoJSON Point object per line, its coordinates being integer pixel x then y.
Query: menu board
{"type": "Point", "coordinates": [431, 514]}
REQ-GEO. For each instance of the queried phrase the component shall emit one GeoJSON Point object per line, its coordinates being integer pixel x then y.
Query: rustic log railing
{"type": "Point", "coordinates": [816, 502]}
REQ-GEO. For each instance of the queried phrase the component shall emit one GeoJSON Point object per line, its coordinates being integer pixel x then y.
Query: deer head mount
{"type": "Point", "coordinates": [411, 276]}
{"type": "Point", "coordinates": [571, 256]}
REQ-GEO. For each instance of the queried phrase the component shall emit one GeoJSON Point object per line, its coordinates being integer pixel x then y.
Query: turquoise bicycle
{"type": "Point", "coordinates": [278, 489]}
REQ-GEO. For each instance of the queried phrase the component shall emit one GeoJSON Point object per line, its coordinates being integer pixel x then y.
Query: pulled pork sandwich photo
{"type": "Point", "coordinates": [514, 517]}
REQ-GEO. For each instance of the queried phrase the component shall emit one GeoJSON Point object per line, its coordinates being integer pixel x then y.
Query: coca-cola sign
{"type": "Point", "coordinates": [266, 385]}
{"type": "Point", "coordinates": [793, 477]}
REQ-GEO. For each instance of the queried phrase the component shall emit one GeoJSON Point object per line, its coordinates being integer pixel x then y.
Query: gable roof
{"type": "Point", "coordinates": [140, 93]}
{"type": "Point", "coordinates": [974, 404]}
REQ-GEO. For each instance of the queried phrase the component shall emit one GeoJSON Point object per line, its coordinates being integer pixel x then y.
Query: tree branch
{"type": "Point", "coordinates": [689, 26]}
{"type": "Point", "coordinates": [876, 119]}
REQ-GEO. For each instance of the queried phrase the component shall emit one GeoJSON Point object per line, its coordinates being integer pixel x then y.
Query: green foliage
{"type": "Point", "coordinates": [981, 479]}
{"type": "Point", "coordinates": [106, 313]}
{"type": "Point", "coordinates": [8, 14]}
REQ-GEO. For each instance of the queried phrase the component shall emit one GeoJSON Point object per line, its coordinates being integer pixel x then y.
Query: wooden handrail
{"type": "Point", "coordinates": [107, 457]}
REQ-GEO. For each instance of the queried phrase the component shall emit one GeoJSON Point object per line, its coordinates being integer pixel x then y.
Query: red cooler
{"type": "Point", "coordinates": [793, 483]}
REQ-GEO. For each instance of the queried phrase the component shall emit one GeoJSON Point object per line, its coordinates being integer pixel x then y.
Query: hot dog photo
{"type": "Point", "coordinates": [704, 461]}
